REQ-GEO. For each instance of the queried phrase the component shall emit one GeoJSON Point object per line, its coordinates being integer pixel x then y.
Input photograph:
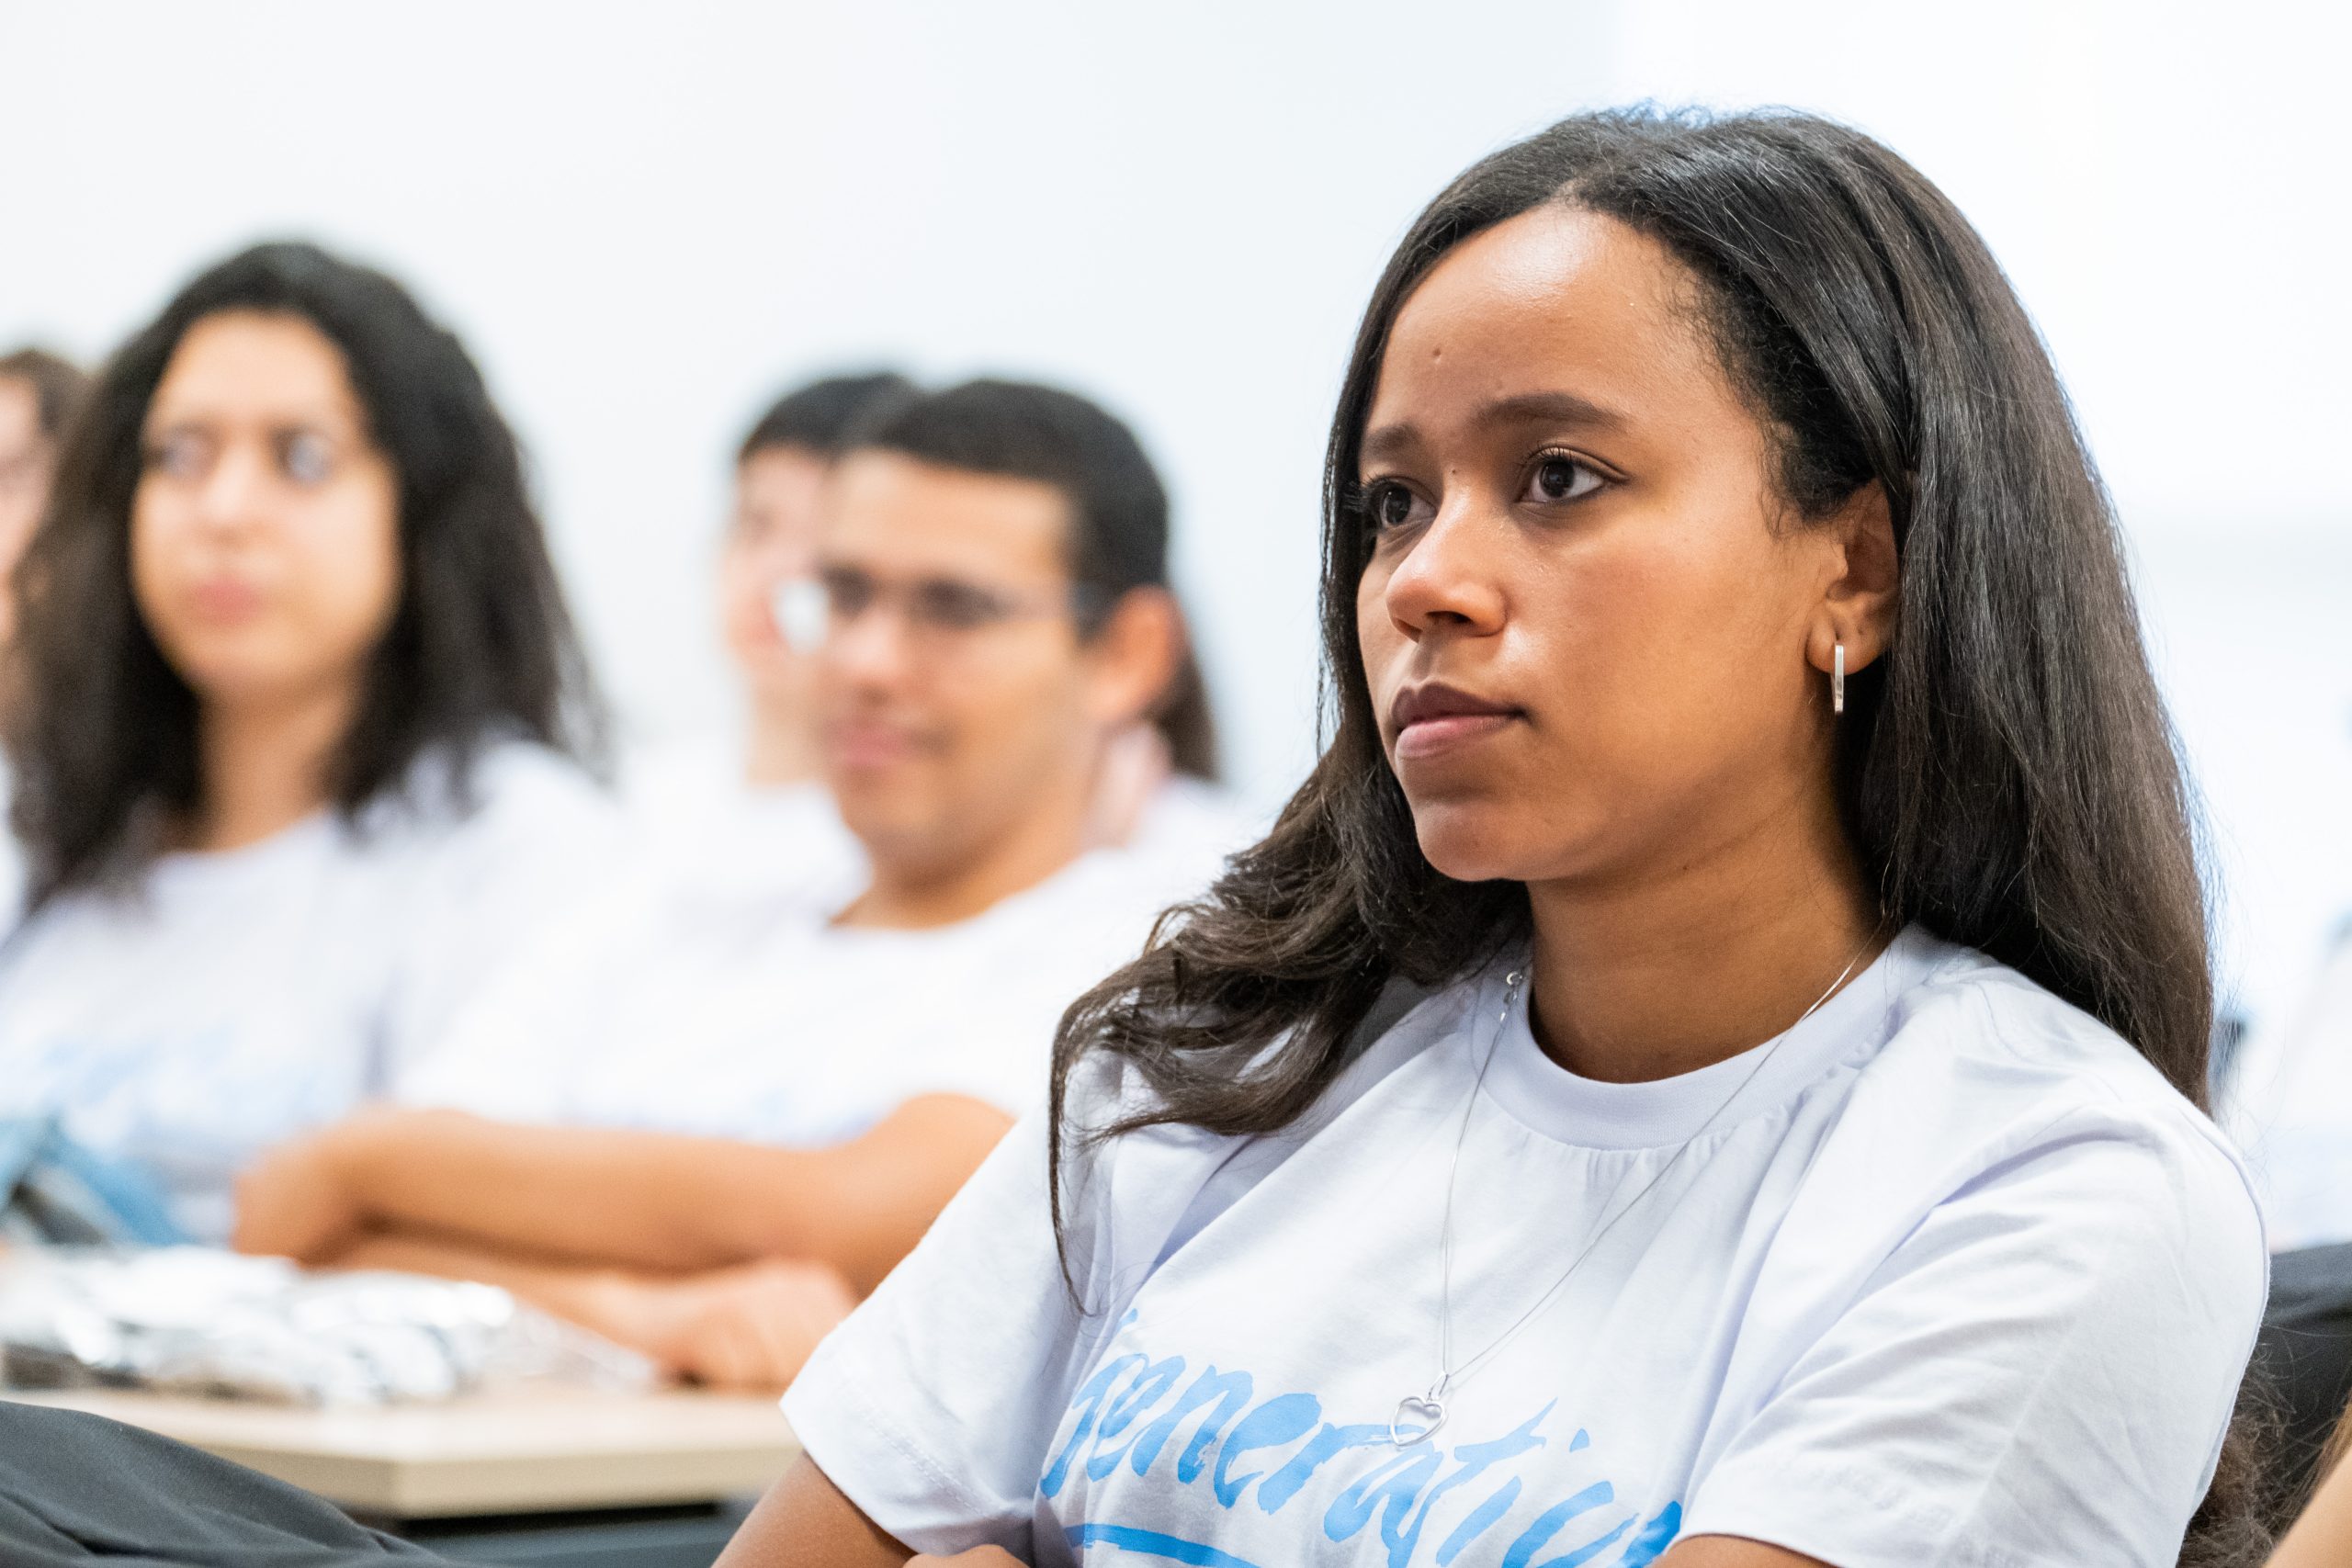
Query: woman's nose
{"type": "Point", "coordinates": [1451, 576]}
{"type": "Point", "coordinates": [233, 495]}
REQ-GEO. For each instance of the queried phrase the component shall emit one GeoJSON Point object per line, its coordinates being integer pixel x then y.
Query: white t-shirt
{"type": "Point", "coordinates": [701, 826]}
{"type": "Point", "coordinates": [2292, 1108]}
{"type": "Point", "coordinates": [1955, 1277]}
{"type": "Point", "coordinates": [727, 1011]}
{"type": "Point", "coordinates": [231, 1001]}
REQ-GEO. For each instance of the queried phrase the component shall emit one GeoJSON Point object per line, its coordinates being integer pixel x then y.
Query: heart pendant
{"type": "Point", "coordinates": [1427, 1414]}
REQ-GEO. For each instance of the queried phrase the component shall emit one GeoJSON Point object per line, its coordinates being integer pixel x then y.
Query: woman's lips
{"type": "Point", "coordinates": [1434, 736]}
{"type": "Point", "coordinates": [223, 598]}
{"type": "Point", "coordinates": [1434, 718]}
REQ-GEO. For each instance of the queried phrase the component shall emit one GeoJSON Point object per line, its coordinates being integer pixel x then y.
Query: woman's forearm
{"type": "Point", "coordinates": [2321, 1538]}
{"type": "Point", "coordinates": [805, 1519]}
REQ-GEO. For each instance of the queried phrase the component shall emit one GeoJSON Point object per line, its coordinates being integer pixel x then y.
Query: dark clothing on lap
{"type": "Point", "coordinates": [76, 1488]}
{"type": "Point", "coordinates": [2304, 1359]}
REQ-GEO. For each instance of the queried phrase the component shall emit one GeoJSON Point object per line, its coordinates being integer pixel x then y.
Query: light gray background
{"type": "Point", "coordinates": [646, 219]}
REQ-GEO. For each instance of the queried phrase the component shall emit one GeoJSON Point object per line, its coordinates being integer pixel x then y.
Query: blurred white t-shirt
{"type": "Point", "coordinates": [2292, 1106]}
{"type": "Point", "coordinates": [1949, 1276]}
{"type": "Point", "coordinates": [698, 824]}
{"type": "Point", "coordinates": [710, 1008]}
{"type": "Point", "coordinates": [229, 1001]}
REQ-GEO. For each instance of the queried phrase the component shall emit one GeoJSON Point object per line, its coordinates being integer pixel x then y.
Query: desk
{"type": "Point", "coordinates": [538, 1453]}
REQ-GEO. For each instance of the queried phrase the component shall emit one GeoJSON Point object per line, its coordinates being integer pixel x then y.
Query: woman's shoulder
{"type": "Point", "coordinates": [513, 774]}
{"type": "Point", "coordinates": [519, 824]}
{"type": "Point", "coordinates": [1979, 1017]}
{"type": "Point", "coordinates": [1105, 1089]}
{"type": "Point", "coordinates": [507, 786]}
{"type": "Point", "coordinates": [1142, 1194]}
{"type": "Point", "coordinates": [1984, 1067]}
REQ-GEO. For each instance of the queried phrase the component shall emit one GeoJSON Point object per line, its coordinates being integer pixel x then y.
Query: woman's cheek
{"type": "Point", "coordinates": [349, 583]}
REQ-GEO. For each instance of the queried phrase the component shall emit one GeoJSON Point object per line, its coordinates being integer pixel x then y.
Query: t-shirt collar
{"type": "Point", "coordinates": [1590, 1114]}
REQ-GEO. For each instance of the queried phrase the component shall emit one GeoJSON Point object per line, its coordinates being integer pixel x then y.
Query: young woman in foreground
{"type": "Point", "coordinates": [1749, 778]}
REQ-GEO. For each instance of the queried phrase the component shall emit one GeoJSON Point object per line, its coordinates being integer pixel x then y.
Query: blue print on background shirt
{"type": "Point", "coordinates": [1261, 1456]}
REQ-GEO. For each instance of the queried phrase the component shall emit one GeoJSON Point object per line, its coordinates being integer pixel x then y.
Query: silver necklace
{"type": "Point", "coordinates": [1426, 1410]}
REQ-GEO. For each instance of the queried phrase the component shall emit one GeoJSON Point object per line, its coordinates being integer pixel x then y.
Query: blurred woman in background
{"type": "Point", "coordinates": [38, 391]}
{"type": "Point", "coordinates": [297, 716]}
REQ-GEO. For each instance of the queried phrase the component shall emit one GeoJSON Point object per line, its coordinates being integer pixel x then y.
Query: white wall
{"type": "Point", "coordinates": [646, 218]}
{"type": "Point", "coordinates": [2165, 184]}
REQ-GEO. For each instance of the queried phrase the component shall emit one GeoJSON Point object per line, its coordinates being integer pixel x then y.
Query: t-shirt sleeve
{"type": "Point", "coordinates": [2037, 1376]}
{"type": "Point", "coordinates": [932, 1406]}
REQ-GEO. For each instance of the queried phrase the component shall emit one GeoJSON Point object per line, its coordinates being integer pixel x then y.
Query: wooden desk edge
{"type": "Point", "coordinates": [412, 1486]}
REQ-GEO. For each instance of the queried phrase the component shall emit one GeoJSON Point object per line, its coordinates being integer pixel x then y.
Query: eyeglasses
{"type": "Point", "coordinates": [935, 609]}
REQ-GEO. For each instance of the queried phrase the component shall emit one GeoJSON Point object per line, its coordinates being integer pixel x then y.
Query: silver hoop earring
{"type": "Point", "coordinates": [1837, 679]}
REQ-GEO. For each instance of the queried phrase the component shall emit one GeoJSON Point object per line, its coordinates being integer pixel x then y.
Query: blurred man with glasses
{"type": "Point", "coordinates": [707, 1144]}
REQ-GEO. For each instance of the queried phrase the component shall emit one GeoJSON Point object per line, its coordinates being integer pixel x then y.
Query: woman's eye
{"type": "Point", "coordinates": [1391, 506]}
{"type": "Point", "coordinates": [181, 457]}
{"type": "Point", "coordinates": [1561, 479]}
{"type": "Point", "coordinates": [305, 458]}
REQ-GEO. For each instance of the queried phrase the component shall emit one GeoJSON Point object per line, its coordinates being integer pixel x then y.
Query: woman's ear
{"type": "Point", "coordinates": [1134, 655]}
{"type": "Point", "coordinates": [1861, 599]}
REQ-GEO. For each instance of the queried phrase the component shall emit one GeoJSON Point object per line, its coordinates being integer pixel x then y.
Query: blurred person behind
{"type": "Point", "coordinates": [734, 808]}
{"type": "Point", "coordinates": [38, 391]}
{"type": "Point", "coordinates": [2292, 1107]}
{"type": "Point", "coordinates": [297, 726]}
{"type": "Point", "coordinates": [762, 1120]}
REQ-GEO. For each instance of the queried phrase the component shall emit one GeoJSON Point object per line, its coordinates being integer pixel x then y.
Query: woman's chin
{"type": "Point", "coordinates": [1475, 844]}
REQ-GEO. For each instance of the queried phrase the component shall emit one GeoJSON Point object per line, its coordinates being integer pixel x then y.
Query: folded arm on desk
{"type": "Point", "coordinates": [617, 1198]}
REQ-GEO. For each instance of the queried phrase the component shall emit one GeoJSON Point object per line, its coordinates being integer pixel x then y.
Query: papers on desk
{"type": "Point", "coordinates": [194, 1320]}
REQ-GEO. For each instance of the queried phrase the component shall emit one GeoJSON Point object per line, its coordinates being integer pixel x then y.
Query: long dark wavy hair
{"type": "Point", "coordinates": [102, 731]}
{"type": "Point", "coordinates": [2006, 773]}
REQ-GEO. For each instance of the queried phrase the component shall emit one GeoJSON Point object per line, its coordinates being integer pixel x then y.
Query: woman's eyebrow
{"type": "Point", "coordinates": [1550, 408]}
{"type": "Point", "coordinates": [1388, 443]}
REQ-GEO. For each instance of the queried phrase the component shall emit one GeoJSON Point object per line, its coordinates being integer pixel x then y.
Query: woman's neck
{"type": "Point", "coordinates": [1721, 945]}
{"type": "Point", "coordinates": [264, 765]}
